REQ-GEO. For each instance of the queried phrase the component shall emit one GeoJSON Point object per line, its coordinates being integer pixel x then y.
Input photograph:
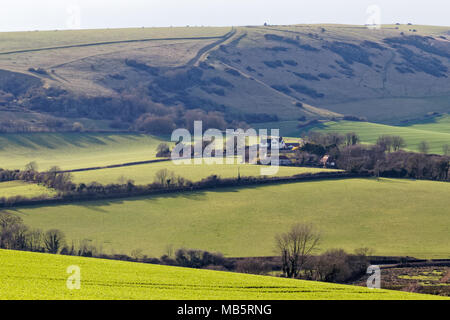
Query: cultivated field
{"type": "Point", "coordinates": [74, 150]}
{"type": "Point", "coordinates": [19, 188]}
{"type": "Point", "coordinates": [43, 276]}
{"type": "Point", "coordinates": [393, 217]}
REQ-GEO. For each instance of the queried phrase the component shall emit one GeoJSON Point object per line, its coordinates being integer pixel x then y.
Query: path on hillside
{"type": "Point", "coordinates": [203, 53]}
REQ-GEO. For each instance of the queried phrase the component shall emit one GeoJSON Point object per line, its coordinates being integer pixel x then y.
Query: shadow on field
{"type": "Point", "coordinates": [35, 141]}
{"type": "Point", "coordinates": [198, 195]}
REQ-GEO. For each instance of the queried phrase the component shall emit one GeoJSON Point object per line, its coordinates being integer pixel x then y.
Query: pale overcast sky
{"type": "Point", "coordinates": [18, 15]}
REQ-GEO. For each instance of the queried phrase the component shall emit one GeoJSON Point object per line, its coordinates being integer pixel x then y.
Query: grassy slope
{"type": "Point", "coordinates": [394, 217]}
{"type": "Point", "coordinates": [20, 188]}
{"type": "Point", "coordinates": [439, 124]}
{"type": "Point", "coordinates": [43, 276]}
{"type": "Point", "coordinates": [437, 134]}
{"type": "Point", "coordinates": [369, 132]}
{"type": "Point", "coordinates": [144, 174]}
{"type": "Point", "coordinates": [74, 150]}
{"type": "Point", "coordinates": [383, 94]}
{"type": "Point", "coordinates": [11, 41]}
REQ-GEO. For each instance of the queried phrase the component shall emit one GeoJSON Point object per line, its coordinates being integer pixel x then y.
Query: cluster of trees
{"type": "Point", "coordinates": [399, 164]}
{"type": "Point", "coordinates": [131, 109]}
{"type": "Point", "coordinates": [297, 246]}
{"type": "Point", "coordinates": [385, 158]}
{"type": "Point", "coordinates": [52, 178]}
{"type": "Point", "coordinates": [15, 235]}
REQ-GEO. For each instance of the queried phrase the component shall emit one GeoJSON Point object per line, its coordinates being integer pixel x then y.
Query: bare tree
{"type": "Point", "coordinates": [32, 166]}
{"type": "Point", "coordinates": [398, 143]}
{"type": "Point", "coordinates": [446, 149]}
{"type": "Point", "coordinates": [296, 248]}
{"type": "Point", "coordinates": [385, 143]}
{"type": "Point", "coordinates": [424, 147]}
{"type": "Point", "coordinates": [54, 240]}
{"type": "Point", "coordinates": [351, 138]}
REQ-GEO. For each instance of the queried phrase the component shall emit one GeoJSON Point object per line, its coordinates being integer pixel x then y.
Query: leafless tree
{"type": "Point", "coordinates": [165, 177]}
{"type": "Point", "coordinates": [296, 248]}
{"type": "Point", "coordinates": [424, 147]}
{"type": "Point", "coordinates": [351, 138]}
{"type": "Point", "coordinates": [32, 166]}
{"type": "Point", "coordinates": [54, 240]}
{"type": "Point", "coordinates": [446, 149]}
{"type": "Point", "coordinates": [398, 143]}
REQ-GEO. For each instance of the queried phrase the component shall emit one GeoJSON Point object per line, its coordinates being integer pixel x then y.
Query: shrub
{"type": "Point", "coordinates": [252, 266]}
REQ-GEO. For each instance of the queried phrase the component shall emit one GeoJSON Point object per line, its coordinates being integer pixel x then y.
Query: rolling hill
{"type": "Point", "coordinates": [253, 73]}
{"type": "Point", "coordinates": [44, 277]}
{"type": "Point", "coordinates": [436, 133]}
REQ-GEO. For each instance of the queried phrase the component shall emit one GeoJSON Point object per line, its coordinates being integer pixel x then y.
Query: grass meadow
{"type": "Point", "coordinates": [43, 276]}
{"type": "Point", "coordinates": [393, 217]}
{"type": "Point", "coordinates": [20, 188]}
{"type": "Point", "coordinates": [437, 133]}
{"type": "Point", "coordinates": [74, 150]}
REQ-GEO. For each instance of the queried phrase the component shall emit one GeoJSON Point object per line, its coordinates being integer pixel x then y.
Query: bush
{"type": "Point", "coordinates": [252, 266]}
{"type": "Point", "coordinates": [163, 150]}
{"type": "Point", "coordinates": [198, 259]}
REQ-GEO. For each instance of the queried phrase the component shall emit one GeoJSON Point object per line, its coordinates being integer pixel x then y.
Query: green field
{"type": "Point", "coordinates": [437, 124]}
{"type": "Point", "coordinates": [436, 134]}
{"type": "Point", "coordinates": [145, 174]}
{"type": "Point", "coordinates": [24, 189]}
{"type": "Point", "coordinates": [393, 217]}
{"type": "Point", "coordinates": [74, 150]}
{"type": "Point", "coordinates": [43, 276]}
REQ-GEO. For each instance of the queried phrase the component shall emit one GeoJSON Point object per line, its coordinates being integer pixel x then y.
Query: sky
{"type": "Point", "coordinates": [22, 15]}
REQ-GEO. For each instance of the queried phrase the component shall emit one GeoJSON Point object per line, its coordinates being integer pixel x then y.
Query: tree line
{"type": "Point", "coordinates": [386, 158]}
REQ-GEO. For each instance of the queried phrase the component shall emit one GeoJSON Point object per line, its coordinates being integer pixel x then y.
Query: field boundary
{"type": "Point", "coordinates": [200, 186]}
{"type": "Point", "coordinates": [114, 42]}
{"type": "Point", "coordinates": [127, 164]}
